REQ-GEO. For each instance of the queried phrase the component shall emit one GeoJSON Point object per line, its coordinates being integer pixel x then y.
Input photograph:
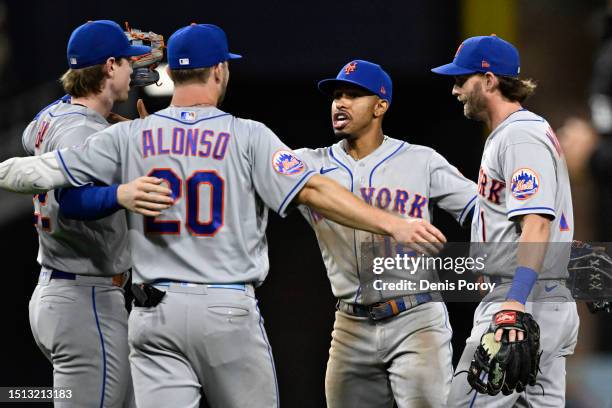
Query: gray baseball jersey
{"type": "Point", "coordinates": [224, 173]}
{"type": "Point", "coordinates": [81, 327]}
{"type": "Point", "coordinates": [523, 171]}
{"type": "Point", "coordinates": [88, 248]}
{"type": "Point", "coordinates": [399, 177]}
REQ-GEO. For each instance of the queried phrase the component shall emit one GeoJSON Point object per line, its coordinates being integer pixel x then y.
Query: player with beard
{"type": "Point", "coordinates": [387, 345]}
{"type": "Point", "coordinates": [524, 208]}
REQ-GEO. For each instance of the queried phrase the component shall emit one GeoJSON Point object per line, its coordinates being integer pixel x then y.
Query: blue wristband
{"type": "Point", "coordinates": [522, 283]}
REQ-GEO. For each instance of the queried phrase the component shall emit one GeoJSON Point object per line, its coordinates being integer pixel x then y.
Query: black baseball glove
{"type": "Point", "coordinates": [590, 269]}
{"type": "Point", "coordinates": [506, 366]}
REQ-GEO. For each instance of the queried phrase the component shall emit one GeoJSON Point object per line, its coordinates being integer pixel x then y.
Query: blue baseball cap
{"type": "Point", "coordinates": [96, 41]}
{"type": "Point", "coordinates": [198, 46]}
{"type": "Point", "coordinates": [483, 54]}
{"type": "Point", "coordinates": [364, 74]}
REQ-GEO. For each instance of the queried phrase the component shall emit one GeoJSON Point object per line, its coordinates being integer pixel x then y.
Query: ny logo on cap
{"type": "Point", "coordinates": [350, 67]}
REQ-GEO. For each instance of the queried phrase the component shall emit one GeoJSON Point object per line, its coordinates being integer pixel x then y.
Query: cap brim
{"type": "Point", "coordinates": [327, 86]}
{"type": "Point", "coordinates": [135, 50]}
{"type": "Point", "coordinates": [231, 56]}
{"type": "Point", "coordinates": [452, 69]}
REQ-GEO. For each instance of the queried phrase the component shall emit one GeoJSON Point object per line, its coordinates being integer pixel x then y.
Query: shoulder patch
{"type": "Point", "coordinates": [525, 184]}
{"type": "Point", "coordinates": [286, 162]}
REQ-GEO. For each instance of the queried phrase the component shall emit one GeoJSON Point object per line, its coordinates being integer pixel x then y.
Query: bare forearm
{"type": "Point", "coordinates": [533, 242]}
{"type": "Point", "coordinates": [36, 174]}
{"type": "Point", "coordinates": [532, 247]}
{"type": "Point", "coordinates": [338, 204]}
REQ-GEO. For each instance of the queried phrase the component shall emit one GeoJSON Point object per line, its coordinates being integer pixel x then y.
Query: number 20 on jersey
{"type": "Point", "coordinates": [189, 190]}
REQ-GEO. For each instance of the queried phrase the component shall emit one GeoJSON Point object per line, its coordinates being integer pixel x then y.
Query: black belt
{"type": "Point", "coordinates": [389, 308]}
{"type": "Point", "coordinates": [56, 274]}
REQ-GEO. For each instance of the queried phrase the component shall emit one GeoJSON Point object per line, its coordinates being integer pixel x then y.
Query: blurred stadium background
{"type": "Point", "coordinates": [287, 47]}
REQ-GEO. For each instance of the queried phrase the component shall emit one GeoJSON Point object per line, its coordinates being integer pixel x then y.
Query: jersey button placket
{"type": "Point", "coordinates": [359, 178]}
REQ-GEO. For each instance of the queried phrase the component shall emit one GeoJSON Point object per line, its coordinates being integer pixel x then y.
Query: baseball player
{"type": "Point", "coordinates": [386, 345]}
{"type": "Point", "coordinates": [524, 208]}
{"type": "Point", "coordinates": [195, 324]}
{"type": "Point", "coordinates": [77, 311]}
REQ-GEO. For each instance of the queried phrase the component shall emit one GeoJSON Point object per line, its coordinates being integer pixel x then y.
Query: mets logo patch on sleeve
{"type": "Point", "coordinates": [286, 162]}
{"type": "Point", "coordinates": [525, 184]}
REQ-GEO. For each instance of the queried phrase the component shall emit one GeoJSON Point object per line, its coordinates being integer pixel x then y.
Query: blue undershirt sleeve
{"type": "Point", "coordinates": [88, 203]}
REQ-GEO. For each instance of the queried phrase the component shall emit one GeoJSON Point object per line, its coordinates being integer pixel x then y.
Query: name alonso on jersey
{"type": "Point", "coordinates": [185, 142]}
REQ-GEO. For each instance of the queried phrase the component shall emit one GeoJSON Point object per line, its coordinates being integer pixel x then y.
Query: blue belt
{"type": "Point", "coordinates": [235, 286]}
{"type": "Point", "coordinates": [57, 274]}
{"type": "Point", "coordinates": [389, 308]}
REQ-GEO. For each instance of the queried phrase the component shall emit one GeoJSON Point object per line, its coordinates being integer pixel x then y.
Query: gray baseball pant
{"type": "Point", "coordinates": [202, 339]}
{"type": "Point", "coordinates": [81, 327]}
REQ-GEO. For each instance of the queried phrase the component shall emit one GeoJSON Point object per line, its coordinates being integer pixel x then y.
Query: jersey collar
{"type": "Point", "coordinates": [387, 146]}
{"type": "Point", "coordinates": [68, 108]}
{"type": "Point", "coordinates": [517, 116]}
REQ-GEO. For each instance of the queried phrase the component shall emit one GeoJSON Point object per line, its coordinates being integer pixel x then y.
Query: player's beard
{"type": "Point", "coordinates": [347, 134]}
{"type": "Point", "coordinates": [354, 129]}
{"type": "Point", "coordinates": [341, 134]}
{"type": "Point", "coordinates": [350, 130]}
{"type": "Point", "coordinates": [475, 104]}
